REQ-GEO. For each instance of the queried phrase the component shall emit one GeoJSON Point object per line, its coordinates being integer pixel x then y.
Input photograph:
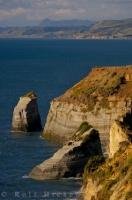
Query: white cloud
{"type": "Point", "coordinates": [12, 13]}
{"type": "Point", "coordinates": [62, 13]}
{"type": "Point", "coordinates": [65, 9]}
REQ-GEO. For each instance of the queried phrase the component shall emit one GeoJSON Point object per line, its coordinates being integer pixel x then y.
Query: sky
{"type": "Point", "coordinates": [31, 12]}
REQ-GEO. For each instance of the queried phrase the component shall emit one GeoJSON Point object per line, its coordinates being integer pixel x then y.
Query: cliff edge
{"type": "Point", "coordinates": [102, 97]}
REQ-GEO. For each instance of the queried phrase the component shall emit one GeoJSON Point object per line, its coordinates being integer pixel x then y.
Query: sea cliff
{"type": "Point", "coordinates": [111, 180]}
{"type": "Point", "coordinates": [69, 161]}
{"type": "Point", "coordinates": [93, 121]}
{"type": "Point", "coordinates": [102, 97]}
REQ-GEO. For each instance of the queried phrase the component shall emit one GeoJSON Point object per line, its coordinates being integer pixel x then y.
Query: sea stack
{"type": "Point", "coordinates": [26, 117]}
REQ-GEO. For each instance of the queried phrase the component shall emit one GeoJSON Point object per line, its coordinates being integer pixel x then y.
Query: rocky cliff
{"type": "Point", "coordinates": [26, 116]}
{"type": "Point", "coordinates": [99, 99]}
{"type": "Point", "coordinates": [113, 179]}
{"type": "Point", "coordinates": [69, 161]}
{"type": "Point", "coordinates": [118, 133]}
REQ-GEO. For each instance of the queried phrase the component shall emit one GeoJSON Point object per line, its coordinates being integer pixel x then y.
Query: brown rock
{"type": "Point", "coordinates": [104, 96]}
{"type": "Point", "coordinates": [69, 161]}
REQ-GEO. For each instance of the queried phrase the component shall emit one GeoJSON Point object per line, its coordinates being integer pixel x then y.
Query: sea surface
{"type": "Point", "coordinates": [49, 68]}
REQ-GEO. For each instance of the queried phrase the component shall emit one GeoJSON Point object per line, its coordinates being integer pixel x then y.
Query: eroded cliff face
{"type": "Point", "coordinates": [102, 97]}
{"type": "Point", "coordinates": [69, 161]}
{"type": "Point", "coordinates": [112, 180]}
{"type": "Point", "coordinates": [64, 118]}
{"type": "Point", "coordinates": [118, 134]}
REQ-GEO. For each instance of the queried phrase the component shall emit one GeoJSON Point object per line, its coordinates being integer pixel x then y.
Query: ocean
{"type": "Point", "coordinates": [48, 67]}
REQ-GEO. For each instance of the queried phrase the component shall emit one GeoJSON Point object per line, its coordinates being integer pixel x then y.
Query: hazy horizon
{"type": "Point", "coordinates": [54, 20]}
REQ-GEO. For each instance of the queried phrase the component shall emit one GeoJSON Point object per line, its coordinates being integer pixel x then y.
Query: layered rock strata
{"type": "Point", "coordinates": [69, 161]}
{"type": "Point", "coordinates": [26, 116]}
{"type": "Point", "coordinates": [104, 96]}
{"type": "Point", "coordinates": [112, 180]}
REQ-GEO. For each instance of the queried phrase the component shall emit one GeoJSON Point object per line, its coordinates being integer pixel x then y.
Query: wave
{"type": "Point", "coordinates": [25, 177]}
{"type": "Point", "coordinates": [72, 178]}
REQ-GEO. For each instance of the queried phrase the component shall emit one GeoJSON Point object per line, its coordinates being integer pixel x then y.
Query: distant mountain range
{"type": "Point", "coordinates": [65, 23]}
{"type": "Point", "coordinates": [112, 27]}
{"type": "Point", "coordinates": [72, 29]}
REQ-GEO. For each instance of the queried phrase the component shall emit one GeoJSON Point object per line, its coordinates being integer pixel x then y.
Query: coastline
{"type": "Point", "coordinates": [31, 149]}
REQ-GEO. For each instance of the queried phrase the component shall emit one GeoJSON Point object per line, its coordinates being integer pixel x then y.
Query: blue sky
{"type": "Point", "coordinates": [29, 12]}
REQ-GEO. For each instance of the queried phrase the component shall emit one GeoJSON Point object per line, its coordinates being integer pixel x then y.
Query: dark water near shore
{"type": "Point", "coordinates": [49, 68]}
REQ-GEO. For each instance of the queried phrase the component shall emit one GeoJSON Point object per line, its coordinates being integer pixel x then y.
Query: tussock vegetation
{"type": "Point", "coordinates": [91, 166]}
{"type": "Point", "coordinates": [114, 172]}
{"type": "Point", "coordinates": [99, 85]}
{"type": "Point", "coordinates": [104, 85]}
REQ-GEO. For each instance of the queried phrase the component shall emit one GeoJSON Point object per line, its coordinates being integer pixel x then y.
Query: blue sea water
{"type": "Point", "coordinates": [49, 68]}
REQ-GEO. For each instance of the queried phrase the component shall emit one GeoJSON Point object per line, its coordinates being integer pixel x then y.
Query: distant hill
{"type": "Point", "coordinates": [113, 27]}
{"type": "Point", "coordinates": [72, 29]}
{"type": "Point", "coordinates": [65, 23]}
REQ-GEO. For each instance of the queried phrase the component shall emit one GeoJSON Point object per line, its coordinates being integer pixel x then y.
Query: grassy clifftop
{"type": "Point", "coordinates": [113, 179]}
{"type": "Point", "coordinates": [101, 84]}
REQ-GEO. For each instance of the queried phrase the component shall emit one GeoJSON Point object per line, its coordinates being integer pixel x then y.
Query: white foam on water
{"type": "Point", "coordinates": [70, 199]}
{"type": "Point", "coordinates": [72, 178]}
{"type": "Point", "coordinates": [25, 177]}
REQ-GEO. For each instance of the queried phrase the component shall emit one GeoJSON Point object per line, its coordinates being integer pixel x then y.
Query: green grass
{"type": "Point", "coordinates": [104, 85]}
{"type": "Point", "coordinates": [85, 126]}
{"type": "Point", "coordinates": [111, 85]}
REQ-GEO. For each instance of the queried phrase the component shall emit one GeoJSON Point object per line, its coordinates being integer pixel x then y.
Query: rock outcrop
{"type": "Point", "coordinates": [69, 161]}
{"type": "Point", "coordinates": [26, 116]}
{"type": "Point", "coordinates": [104, 96]}
{"type": "Point", "coordinates": [118, 134]}
{"type": "Point", "coordinates": [112, 180]}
